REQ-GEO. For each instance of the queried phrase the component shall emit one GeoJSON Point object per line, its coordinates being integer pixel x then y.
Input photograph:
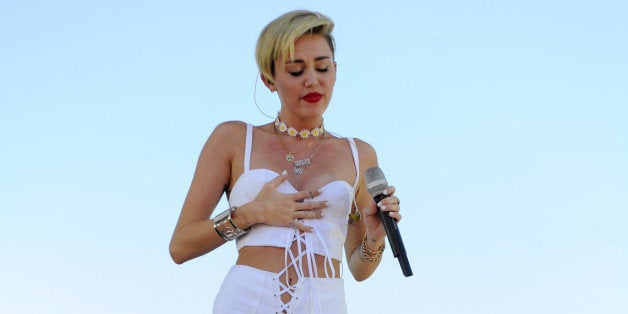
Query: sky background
{"type": "Point", "coordinates": [503, 125]}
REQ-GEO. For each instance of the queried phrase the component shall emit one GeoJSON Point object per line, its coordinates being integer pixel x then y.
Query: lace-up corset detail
{"type": "Point", "coordinates": [329, 233]}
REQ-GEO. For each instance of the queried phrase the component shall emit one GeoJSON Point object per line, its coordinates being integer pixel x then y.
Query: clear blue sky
{"type": "Point", "coordinates": [504, 125]}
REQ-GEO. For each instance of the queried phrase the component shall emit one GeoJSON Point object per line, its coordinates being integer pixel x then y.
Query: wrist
{"type": "Point", "coordinates": [374, 242]}
{"type": "Point", "coordinates": [243, 217]}
{"type": "Point", "coordinates": [226, 227]}
{"type": "Point", "coordinates": [370, 254]}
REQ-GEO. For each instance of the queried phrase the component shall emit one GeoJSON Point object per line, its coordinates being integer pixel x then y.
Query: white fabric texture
{"type": "Point", "coordinates": [251, 290]}
{"type": "Point", "coordinates": [319, 293]}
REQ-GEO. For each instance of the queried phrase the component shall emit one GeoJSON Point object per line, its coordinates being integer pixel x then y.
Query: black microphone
{"type": "Point", "coordinates": [375, 184]}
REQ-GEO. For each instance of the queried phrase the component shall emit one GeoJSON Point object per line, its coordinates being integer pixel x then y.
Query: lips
{"type": "Point", "coordinates": [313, 97]}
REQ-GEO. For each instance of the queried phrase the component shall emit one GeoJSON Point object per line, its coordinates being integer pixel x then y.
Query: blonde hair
{"type": "Point", "coordinates": [277, 38]}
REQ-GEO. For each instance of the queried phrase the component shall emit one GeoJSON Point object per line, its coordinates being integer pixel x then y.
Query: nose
{"type": "Point", "coordinates": [311, 79]}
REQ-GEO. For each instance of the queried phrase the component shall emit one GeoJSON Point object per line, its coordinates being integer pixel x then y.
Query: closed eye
{"type": "Point", "coordinates": [297, 73]}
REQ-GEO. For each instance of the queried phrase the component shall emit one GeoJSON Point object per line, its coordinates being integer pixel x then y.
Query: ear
{"type": "Point", "coordinates": [269, 83]}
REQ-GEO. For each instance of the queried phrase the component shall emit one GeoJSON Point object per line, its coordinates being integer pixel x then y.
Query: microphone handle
{"type": "Point", "coordinates": [394, 238]}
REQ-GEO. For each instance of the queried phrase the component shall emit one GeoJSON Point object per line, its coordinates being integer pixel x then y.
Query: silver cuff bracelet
{"type": "Point", "coordinates": [225, 227]}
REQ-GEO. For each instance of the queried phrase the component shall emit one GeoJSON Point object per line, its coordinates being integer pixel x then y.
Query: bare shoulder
{"type": "Point", "coordinates": [367, 153]}
{"type": "Point", "coordinates": [229, 130]}
{"type": "Point", "coordinates": [225, 138]}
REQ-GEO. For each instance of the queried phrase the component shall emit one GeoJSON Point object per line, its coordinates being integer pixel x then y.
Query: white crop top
{"type": "Point", "coordinates": [330, 231]}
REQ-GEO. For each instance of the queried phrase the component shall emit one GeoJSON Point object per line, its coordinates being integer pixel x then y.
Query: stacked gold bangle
{"type": "Point", "coordinates": [369, 255]}
{"type": "Point", "coordinates": [226, 228]}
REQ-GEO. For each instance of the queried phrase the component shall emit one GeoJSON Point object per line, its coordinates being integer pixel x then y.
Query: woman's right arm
{"type": "Point", "coordinates": [194, 234]}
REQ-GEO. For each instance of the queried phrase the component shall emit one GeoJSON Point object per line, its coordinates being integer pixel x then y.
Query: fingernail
{"type": "Point", "coordinates": [385, 192]}
{"type": "Point", "coordinates": [285, 172]}
{"type": "Point", "coordinates": [382, 207]}
{"type": "Point", "coordinates": [390, 214]}
{"type": "Point", "coordinates": [326, 204]}
{"type": "Point", "coordinates": [320, 191]}
{"type": "Point", "coordinates": [379, 204]}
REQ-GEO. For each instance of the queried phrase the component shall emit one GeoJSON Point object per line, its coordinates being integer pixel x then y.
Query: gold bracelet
{"type": "Point", "coordinates": [370, 255]}
{"type": "Point", "coordinates": [226, 228]}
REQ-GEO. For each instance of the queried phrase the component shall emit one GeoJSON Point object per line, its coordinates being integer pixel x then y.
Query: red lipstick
{"type": "Point", "coordinates": [313, 97]}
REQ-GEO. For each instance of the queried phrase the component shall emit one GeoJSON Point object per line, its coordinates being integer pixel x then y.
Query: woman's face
{"type": "Point", "coordinates": [305, 84]}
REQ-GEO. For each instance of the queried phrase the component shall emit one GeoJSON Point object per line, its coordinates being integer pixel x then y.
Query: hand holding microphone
{"type": "Point", "coordinates": [376, 183]}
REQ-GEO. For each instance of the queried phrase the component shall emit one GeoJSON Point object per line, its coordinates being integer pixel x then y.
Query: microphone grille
{"type": "Point", "coordinates": [375, 181]}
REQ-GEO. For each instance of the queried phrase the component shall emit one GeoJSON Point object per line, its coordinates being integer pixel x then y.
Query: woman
{"type": "Point", "coordinates": [293, 188]}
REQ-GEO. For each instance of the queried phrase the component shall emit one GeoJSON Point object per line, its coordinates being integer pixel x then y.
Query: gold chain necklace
{"type": "Point", "coordinates": [299, 164]}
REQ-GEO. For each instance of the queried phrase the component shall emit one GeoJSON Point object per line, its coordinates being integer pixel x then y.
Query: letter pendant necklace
{"type": "Point", "coordinates": [299, 165]}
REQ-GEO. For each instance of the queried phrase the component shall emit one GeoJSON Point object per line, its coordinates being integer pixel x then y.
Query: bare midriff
{"type": "Point", "coordinates": [273, 259]}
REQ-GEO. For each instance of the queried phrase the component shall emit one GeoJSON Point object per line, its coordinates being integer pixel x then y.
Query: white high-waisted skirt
{"type": "Point", "coordinates": [250, 290]}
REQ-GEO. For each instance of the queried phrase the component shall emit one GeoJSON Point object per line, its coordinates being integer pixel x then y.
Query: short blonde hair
{"type": "Point", "coordinates": [278, 37]}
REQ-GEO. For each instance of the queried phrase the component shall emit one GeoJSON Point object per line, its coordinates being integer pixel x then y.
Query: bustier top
{"type": "Point", "coordinates": [330, 231]}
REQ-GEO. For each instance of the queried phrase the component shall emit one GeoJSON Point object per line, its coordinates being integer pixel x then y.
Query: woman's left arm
{"type": "Point", "coordinates": [366, 237]}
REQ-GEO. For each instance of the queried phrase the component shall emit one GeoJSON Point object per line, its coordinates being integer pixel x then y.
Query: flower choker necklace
{"type": "Point", "coordinates": [284, 128]}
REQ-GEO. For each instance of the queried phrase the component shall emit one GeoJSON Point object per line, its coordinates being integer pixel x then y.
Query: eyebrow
{"type": "Point", "coordinates": [301, 61]}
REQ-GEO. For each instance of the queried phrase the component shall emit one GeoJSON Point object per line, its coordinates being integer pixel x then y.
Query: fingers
{"type": "Point", "coordinates": [304, 195]}
{"type": "Point", "coordinates": [391, 199]}
{"type": "Point", "coordinates": [279, 179]}
{"type": "Point", "coordinates": [311, 206]}
{"type": "Point", "coordinates": [308, 214]}
{"type": "Point", "coordinates": [292, 207]}
{"type": "Point", "coordinates": [300, 215]}
{"type": "Point", "coordinates": [298, 196]}
{"type": "Point", "coordinates": [390, 190]}
{"type": "Point", "coordinates": [392, 210]}
{"type": "Point", "coordinates": [391, 204]}
{"type": "Point", "coordinates": [395, 215]}
{"type": "Point", "coordinates": [299, 225]}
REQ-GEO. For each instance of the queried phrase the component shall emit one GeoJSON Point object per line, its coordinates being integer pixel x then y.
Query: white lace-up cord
{"type": "Point", "coordinates": [303, 244]}
{"type": "Point", "coordinates": [328, 262]}
{"type": "Point", "coordinates": [290, 260]}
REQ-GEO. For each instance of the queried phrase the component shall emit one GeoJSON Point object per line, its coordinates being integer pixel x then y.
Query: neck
{"type": "Point", "coordinates": [302, 130]}
{"type": "Point", "coordinates": [300, 124]}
